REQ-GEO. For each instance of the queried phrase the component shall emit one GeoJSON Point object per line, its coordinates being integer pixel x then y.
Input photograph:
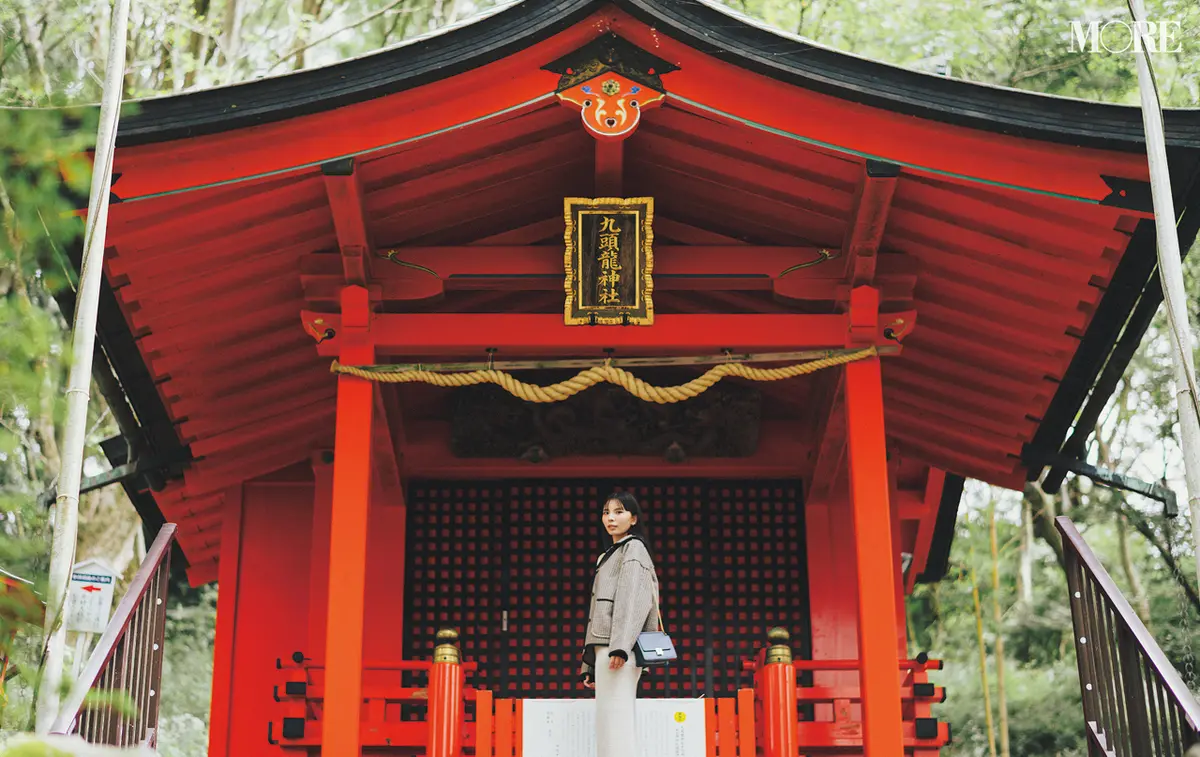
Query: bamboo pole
{"type": "Point", "coordinates": [1170, 270]}
{"type": "Point", "coordinates": [998, 616]}
{"type": "Point", "coordinates": [66, 510]}
{"type": "Point", "coordinates": [983, 676]}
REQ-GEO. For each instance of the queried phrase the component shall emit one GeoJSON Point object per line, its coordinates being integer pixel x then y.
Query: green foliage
{"type": "Point", "coordinates": [35, 749]}
{"type": "Point", "coordinates": [1026, 44]}
{"type": "Point", "coordinates": [188, 661]}
{"type": "Point", "coordinates": [1044, 708]}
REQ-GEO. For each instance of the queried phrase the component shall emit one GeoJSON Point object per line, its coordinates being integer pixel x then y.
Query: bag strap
{"type": "Point", "coordinates": [658, 609]}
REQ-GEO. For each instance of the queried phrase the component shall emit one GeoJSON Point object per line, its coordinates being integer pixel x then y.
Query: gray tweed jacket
{"type": "Point", "coordinates": [624, 602]}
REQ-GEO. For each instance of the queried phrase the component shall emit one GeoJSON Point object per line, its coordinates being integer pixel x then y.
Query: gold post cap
{"type": "Point", "coordinates": [447, 647]}
{"type": "Point", "coordinates": [780, 650]}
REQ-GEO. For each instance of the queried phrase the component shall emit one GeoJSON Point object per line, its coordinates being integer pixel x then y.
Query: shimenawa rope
{"type": "Point", "coordinates": [606, 373]}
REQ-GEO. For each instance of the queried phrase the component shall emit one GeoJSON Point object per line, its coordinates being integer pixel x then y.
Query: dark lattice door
{"type": "Point", "coordinates": [510, 564]}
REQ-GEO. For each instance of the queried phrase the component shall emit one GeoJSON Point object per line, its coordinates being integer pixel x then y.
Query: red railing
{"type": "Point", "coordinates": [124, 673]}
{"type": "Point", "coordinates": [1134, 702]}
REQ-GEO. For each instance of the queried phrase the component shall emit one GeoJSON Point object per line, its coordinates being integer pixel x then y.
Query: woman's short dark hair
{"type": "Point", "coordinates": [630, 503]}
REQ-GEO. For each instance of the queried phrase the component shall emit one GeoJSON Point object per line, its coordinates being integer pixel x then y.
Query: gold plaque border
{"type": "Point", "coordinates": [647, 236]}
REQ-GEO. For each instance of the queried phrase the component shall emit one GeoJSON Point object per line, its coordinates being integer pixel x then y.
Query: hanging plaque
{"type": "Point", "coordinates": [609, 261]}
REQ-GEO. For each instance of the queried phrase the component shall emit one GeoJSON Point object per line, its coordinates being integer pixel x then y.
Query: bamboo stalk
{"type": "Point", "coordinates": [1001, 694]}
{"type": "Point", "coordinates": [66, 511]}
{"type": "Point", "coordinates": [983, 676]}
{"type": "Point", "coordinates": [1170, 270]}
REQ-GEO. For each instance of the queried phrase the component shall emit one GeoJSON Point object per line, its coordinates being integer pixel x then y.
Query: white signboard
{"type": "Point", "coordinates": [91, 597]}
{"type": "Point", "coordinates": [567, 728]}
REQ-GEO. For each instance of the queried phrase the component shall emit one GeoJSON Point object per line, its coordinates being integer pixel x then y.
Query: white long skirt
{"type": "Point", "coordinates": [616, 718]}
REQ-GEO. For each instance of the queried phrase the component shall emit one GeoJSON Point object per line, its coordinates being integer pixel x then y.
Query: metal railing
{"type": "Point", "coordinates": [1134, 702]}
{"type": "Point", "coordinates": [124, 672]}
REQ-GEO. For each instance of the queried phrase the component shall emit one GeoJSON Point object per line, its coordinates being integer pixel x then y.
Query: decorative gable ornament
{"type": "Point", "coordinates": [611, 82]}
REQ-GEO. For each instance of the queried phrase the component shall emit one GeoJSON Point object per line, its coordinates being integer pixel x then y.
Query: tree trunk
{"type": "Point", "coordinates": [231, 37]}
{"type": "Point", "coordinates": [1001, 699]}
{"type": "Point", "coordinates": [31, 41]}
{"type": "Point", "coordinates": [1043, 513]}
{"type": "Point", "coordinates": [1138, 594]}
{"type": "Point", "coordinates": [983, 676]}
{"type": "Point", "coordinates": [310, 11]}
{"type": "Point", "coordinates": [1026, 575]}
{"type": "Point", "coordinates": [939, 626]}
{"type": "Point", "coordinates": [1144, 528]}
{"type": "Point", "coordinates": [196, 43]}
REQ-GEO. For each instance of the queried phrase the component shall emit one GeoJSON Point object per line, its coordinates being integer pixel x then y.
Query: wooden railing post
{"type": "Point", "coordinates": [445, 716]}
{"type": "Point", "coordinates": [1134, 702]}
{"type": "Point", "coordinates": [127, 662]}
{"type": "Point", "coordinates": [1083, 656]}
{"type": "Point", "coordinates": [775, 680]}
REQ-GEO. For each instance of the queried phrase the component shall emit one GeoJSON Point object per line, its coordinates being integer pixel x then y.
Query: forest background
{"type": "Point", "coordinates": [1005, 595]}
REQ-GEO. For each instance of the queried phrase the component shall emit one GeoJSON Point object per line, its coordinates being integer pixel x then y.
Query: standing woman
{"type": "Point", "coordinates": [624, 603]}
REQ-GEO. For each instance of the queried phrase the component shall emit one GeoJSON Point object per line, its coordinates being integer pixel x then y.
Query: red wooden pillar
{"type": "Point", "coordinates": [348, 534]}
{"type": "Point", "coordinates": [874, 550]}
{"type": "Point", "coordinates": [224, 668]}
{"type": "Point", "coordinates": [775, 684]}
{"type": "Point", "coordinates": [318, 570]}
{"type": "Point", "coordinates": [446, 697]}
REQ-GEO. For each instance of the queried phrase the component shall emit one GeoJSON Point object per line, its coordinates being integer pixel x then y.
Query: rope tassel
{"type": "Point", "coordinates": [606, 373]}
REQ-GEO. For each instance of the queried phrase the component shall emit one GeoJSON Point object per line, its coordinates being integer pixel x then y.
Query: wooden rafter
{"type": "Point", "coordinates": [344, 188]}
{"type": "Point", "coordinates": [872, 202]}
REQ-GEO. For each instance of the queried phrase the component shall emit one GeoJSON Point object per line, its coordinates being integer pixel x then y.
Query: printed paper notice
{"type": "Point", "coordinates": [91, 590]}
{"type": "Point", "coordinates": [567, 728]}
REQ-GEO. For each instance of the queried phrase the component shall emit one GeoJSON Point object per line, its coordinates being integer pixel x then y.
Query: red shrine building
{"type": "Point", "coordinates": [975, 264]}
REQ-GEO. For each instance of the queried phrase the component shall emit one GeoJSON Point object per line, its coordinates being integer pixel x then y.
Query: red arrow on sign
{"type": "Point", "coordinates": [89, 588]}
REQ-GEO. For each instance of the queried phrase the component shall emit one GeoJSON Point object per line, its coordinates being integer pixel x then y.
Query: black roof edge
{"type": "Point", "coordinates": [406, 66]}
{"type": "Point", "coordinates": [1021, 113]}
{"type": "Point", "coordinates": [1116, 329]}
{"type": "Point", "coordinates": [128, 387]}
{"type": "Point", "coordinates": [713, 31]}
{"type": "Point", "coordinates": [937, 564]}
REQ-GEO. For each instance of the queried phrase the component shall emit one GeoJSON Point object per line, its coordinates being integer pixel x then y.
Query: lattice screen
{"type": "Point", "coordinates": [510, 564]}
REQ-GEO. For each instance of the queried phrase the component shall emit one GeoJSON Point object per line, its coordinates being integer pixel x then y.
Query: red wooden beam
{"type": "Point", "coordinates": [461, 261]}
{"type": "Point", "coordinates": [538, 231]}
{"type": "Point", "coordinates": [231, 469]}
{"type": "Point", "coordinates": [415, 273]}
{"type": "Point", "coordinates": [831, 453]}
{"type": "Point", "coordinates": [345, 192]}
{"type": "Point", "coordinates": [781, 453]}
{"type": "Point", "coordinates": [300, 419]}
{"type": "Point", "coordinates": [387, 445]}
{"type": "Point", "coordinates": [423, 334]}
{"type": "Point", "coordinates": [610, 154]}
{"type": "Point", "coordinates": [873, 201]}
{"type": "Point", "coordinates": [932, 499]}
{"type": "Point", "coordinates": [678, 231]}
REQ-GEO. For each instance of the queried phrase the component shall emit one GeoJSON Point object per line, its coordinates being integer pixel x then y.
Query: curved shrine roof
{"type": "Point", "coordinates": [716, 31]}
{"type": "Point", "coordinates": [1019, 231]}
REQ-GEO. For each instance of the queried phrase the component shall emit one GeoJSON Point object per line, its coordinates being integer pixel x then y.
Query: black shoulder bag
{"type": "Point", "coordinates": [654, 648]}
